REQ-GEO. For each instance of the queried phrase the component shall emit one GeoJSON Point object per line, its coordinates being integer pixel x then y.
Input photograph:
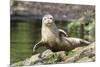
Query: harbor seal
{"type": "Point", "coordinates": [57, 39]}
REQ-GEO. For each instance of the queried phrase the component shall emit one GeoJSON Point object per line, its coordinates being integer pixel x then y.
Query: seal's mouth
{"type": "Point", "coordinates": [49, 24]}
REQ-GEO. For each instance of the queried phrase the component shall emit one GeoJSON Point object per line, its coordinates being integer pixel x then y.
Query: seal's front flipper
{"type": "Point", "coordinates": [37, 45]}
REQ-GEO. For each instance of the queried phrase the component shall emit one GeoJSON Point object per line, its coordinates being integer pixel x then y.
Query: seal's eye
{"type": "Point", "coordinates": [50, 18]}
{"type": "Point", "coordinates": [44, 19]}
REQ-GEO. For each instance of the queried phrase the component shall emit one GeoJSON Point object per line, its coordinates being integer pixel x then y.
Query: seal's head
{"type": "Point", "coordinates": [48, 20]}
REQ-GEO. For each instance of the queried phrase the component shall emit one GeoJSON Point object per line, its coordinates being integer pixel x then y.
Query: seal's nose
{"type": "Point", "coordinates": [49, 20]}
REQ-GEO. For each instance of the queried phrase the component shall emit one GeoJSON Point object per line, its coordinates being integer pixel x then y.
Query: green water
{"type": "Point", "coordinates": [22, 40]}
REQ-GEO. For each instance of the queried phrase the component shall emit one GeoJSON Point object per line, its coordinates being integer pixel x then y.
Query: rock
{"type": "Point", "coordinates": [29, 61]}
{"type": "Point", "coordinates": [77, 55]}
{"type": "Point", "coordinates": [32, 60]}
{"type": "Point", "coordinates": [46, 54]}
{"type": "Point", "coordinates": [49, 57]}
{"type": "Point", "coordinates": [17, 64]}
{"type": "Point", "coordinates": [62, 55]}
{"type": "Point", "coordinates": [82, 52]}
{"type": "Point", "coordinates": [86, 59]}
